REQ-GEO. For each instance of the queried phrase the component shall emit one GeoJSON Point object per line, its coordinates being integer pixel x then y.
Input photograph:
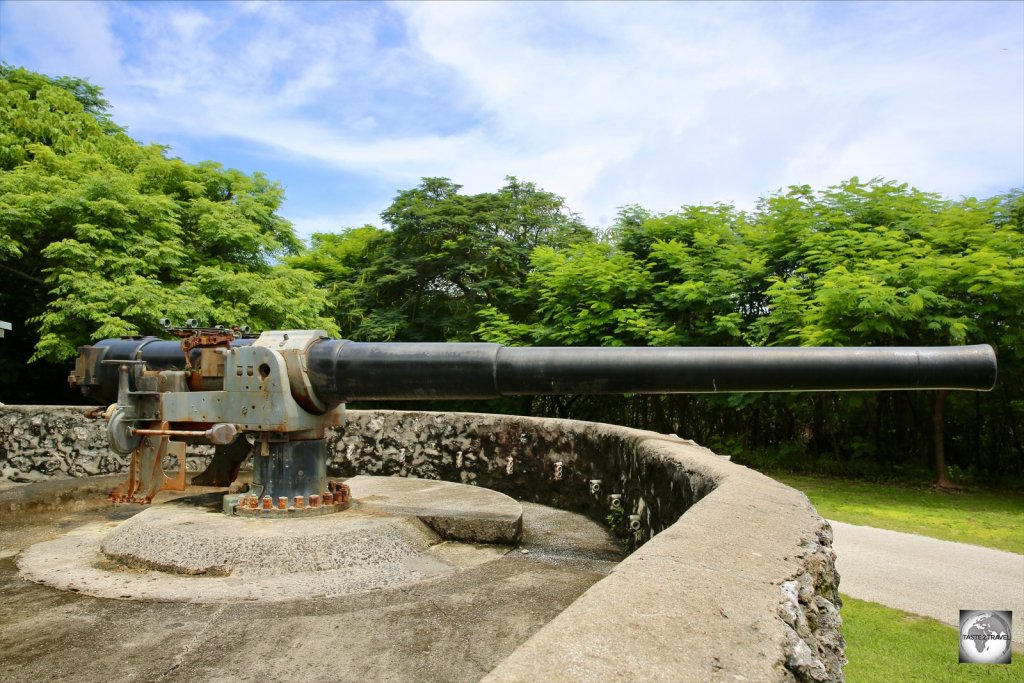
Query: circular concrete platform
{"type": "Point", "coordinates": [398, 531]}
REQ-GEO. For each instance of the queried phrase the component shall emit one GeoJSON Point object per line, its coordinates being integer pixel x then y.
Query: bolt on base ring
{"type": "Point", "coordinates": [338, 498]}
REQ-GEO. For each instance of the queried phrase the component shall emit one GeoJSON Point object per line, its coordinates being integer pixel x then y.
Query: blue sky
{"type": "Point", "coordinates": [660, 104]}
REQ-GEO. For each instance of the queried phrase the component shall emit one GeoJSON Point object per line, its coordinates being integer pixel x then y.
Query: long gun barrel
{"type": "Point", "coordinates": [348, 371]}
{"type": "Point", "coordinates": [282, 390]}
{"type": "Point", "coordinates": [342, 371]}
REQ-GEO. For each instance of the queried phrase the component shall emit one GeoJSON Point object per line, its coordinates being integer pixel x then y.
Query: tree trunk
{"type": "Point", "coordinates": [938, 439]}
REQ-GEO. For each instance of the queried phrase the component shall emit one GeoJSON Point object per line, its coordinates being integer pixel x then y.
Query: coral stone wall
{"type": "Point", "coordinates": [741, 587]}
{"type": "Point", "coordinates": [51, 442]}
{"type": "Point", "coordinates": [48, 442]}
{"type": "Point", "coordinates": [597, 469]}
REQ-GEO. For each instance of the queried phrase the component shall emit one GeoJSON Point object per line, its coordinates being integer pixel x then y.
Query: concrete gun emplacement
{"type": "Point", "coordinates": [275, 396]}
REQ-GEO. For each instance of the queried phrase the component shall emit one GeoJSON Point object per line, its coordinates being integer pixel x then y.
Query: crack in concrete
{"type": "Point", "coordinates": [179, 659]}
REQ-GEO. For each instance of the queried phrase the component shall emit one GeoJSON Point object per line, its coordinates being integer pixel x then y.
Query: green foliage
{"type": "Point", "coordinates": [589, 295]}
{"type": "Point", "coordinates": [869, 264]}
{"type": "Point", "coordinates": [446, 258]}
{"type": "Point", "coordinates": [618, 525]}
{"type": "Point", "coordinates": [88, 95]}
{"type": "Point", "coordinates": [101, 236]}
{"type": "Point", "coordinates": [707, 275]}
{"type": "Point", "coordinates": [61, 114]}
{"type": "Point", "coordinates": [880, 263]}
{"type": "Point", "coordinates": [339, 261]}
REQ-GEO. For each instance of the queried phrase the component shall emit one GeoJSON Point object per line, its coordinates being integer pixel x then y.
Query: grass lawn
{"type": "Point", "coordinates": [885, 644]}
{"type": "Point", "coordinates": [988, 518]}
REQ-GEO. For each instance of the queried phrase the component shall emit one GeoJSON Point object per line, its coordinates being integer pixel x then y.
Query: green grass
{"type": "Point", "coordinates": [987, 518]}
{"type": "Point", "coordinates": [884, 644]}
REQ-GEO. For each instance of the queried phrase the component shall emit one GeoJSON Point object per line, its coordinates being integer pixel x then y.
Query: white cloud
{"type": "Point", "coordinates": [605, 103]}
{"type": "Point", "coordinates": [678, 102]}
{"type": "Point", "coordinates": [54, 35]}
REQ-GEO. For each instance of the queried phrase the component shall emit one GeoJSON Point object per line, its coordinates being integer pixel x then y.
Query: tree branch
{"type": "Point", "coordinates": [31, 278]}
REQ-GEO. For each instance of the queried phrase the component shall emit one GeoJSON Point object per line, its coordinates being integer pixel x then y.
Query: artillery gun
{"type": "Point", "coordinates": [275, 396]}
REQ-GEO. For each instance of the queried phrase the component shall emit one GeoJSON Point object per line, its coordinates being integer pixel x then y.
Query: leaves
{"type": "Point", "coordinates": [881, 263]}
{"type": "Point", "coordinates": [101, 236]}
{"type": "Point", "coordinates": [446, 257]}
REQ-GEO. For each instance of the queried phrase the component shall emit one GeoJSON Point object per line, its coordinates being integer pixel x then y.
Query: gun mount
{"type": "Point", "coordinates": [275, 396]}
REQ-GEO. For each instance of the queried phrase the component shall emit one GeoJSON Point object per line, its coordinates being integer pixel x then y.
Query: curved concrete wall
{"type": "Point", "coordinates": [740, 587]}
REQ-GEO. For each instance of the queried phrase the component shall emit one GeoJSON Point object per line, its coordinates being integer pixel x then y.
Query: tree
{"type": "Point", "coordinates": [880, 263]}
{"type": "Point", "coordinates": [588, 295]}
{"type": "Point", "coordinates": [101, 236]}
{"type": "Point", "coordinates": [342, 263]}
{"type": "Point", "coordinates": [875, 263]}
{"type": "Point", "coordinates": [445, 257]}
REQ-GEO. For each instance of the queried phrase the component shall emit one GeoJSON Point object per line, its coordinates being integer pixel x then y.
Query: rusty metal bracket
{"type": "Point", "coordinates": [145, 471]}
{"type": "Point", "coordinates": [201, 338]}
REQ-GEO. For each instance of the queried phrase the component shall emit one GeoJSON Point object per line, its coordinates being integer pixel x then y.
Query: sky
{"type": "Point", "coordinates": [606, 104]}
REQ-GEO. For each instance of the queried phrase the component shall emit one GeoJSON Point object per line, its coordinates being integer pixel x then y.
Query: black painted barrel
{"type": "Point", "coordinates": [343, 371]}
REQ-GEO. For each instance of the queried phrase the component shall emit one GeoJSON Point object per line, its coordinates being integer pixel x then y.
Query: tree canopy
{"type": "Point", "coordinates": [101, 236]}
{"type": "Point", "coordinates": [861, 263]}
{"type": "Point", "coordinates": [443, 256]}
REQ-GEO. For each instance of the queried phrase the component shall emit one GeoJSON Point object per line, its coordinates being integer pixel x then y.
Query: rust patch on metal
{"type": "Point", "coordinates": [145, 471]}
{"type": "Point", "coordinates": [340, 490]}
{"type": "Point", "coordinates": [251, 505]}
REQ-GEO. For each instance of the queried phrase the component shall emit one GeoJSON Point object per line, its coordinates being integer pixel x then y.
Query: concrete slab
{"type": "Point", "coordinates": [771, 596]}
{"type": "Point", "coordinates": [453, 628]}
{"type": "Point", "coordinates": [380, 542]}
{"type": "Point", "coordinates": [57, 494]}
{"type": "Point", "coordinates": [74, 563]}
{"type": "Point", "coordinates": [455, 511]}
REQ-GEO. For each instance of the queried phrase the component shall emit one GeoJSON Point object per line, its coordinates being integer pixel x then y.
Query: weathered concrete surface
{"type": "Point", "coordinates": [929, 576]}
{"type": "Point", "coordinates": [553, 462]}
{"type": "Point", "coordinates": [380, 542]}
{"type": "Point", "coordinates": [58, 494]}
{"type": "Point", "coordinates": [455, 628]}
{"type": "Point", "coordinates": [702, 601]}
{"type": "Point", "coordinates": [749, 563]}
{"type": "Point", "coordinates": [455, 511]}
{"type": "Point", "coordinates": [741, 586]}
{"type": "Point", "coordinates": [365, 554]}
